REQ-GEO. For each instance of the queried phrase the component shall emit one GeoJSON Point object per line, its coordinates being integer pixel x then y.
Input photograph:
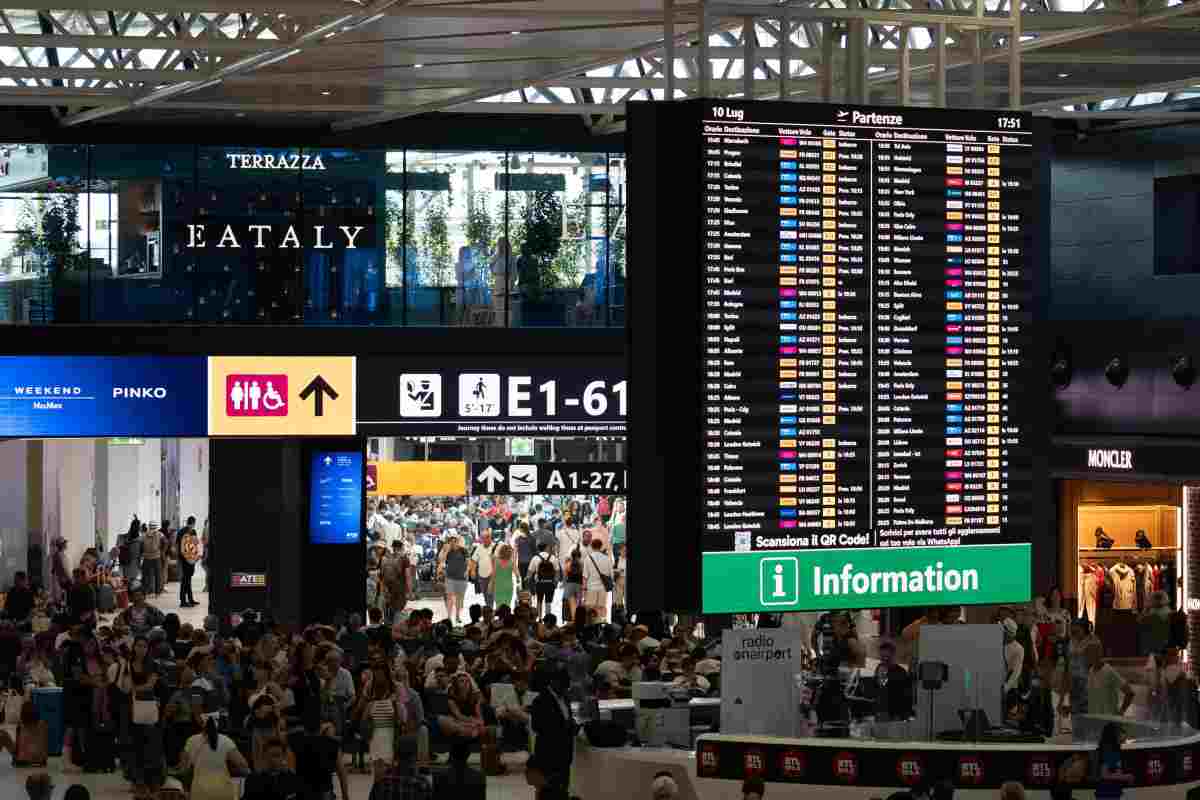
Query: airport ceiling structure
{"type": "Point", "coordinates": [349, 64]}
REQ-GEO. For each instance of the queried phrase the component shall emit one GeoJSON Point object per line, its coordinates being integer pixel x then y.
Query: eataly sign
{"type": "Point", "coordinates": [263, 236]}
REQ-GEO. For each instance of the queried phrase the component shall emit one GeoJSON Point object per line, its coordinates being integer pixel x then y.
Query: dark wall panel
{"type": "Point", "coordinates": [256, 507]}
{"type": "Point", "coordinates": [1103, 226]}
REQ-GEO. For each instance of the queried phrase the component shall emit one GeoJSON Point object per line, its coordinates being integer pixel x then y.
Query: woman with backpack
{"type": "Point", "coordinates": [543, 577]}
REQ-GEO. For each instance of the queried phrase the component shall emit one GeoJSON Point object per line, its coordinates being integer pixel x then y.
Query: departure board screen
{"type": "Point", "coordinates": [865, 321]}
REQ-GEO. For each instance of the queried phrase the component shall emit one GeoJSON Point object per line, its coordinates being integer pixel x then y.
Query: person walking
{"type": "Point", "coordinates": [204, 551]}
{"type": "Point", "coordinates": [481, 568]}
{"type": "Point", "coordinates": [452, 567]}
{"type": "Point", "coordinates": [189, 554]}
{"type": "Point", "coordinates": [598, 572]}
{"type": "Point", "coordinates": [504, 576]}
{"type": "Point", "coordinates": [151, 561]}
{"type": "Point", "coordinates": [543, 577]}
{"type": "Point", "coordinates": [526, 547]}
{"type": "Point", "coordinates": [549, 767]}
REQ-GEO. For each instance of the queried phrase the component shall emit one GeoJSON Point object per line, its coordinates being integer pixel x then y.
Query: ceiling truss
{"type": "Point", "coordinates": [352, 64]}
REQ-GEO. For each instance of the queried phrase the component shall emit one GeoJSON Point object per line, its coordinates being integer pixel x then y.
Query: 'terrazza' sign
{"type": "Point", "coordinates": [285, 161]}
{"type": "Point", "coordinates": [1110, 459]}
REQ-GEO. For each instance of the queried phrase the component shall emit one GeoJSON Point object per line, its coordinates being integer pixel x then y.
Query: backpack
{"type": "Point", "coordinates": [546, 570]}
{"type": "Point", "coordinates": [189, 548]}
{"type": "Point", "coordinates": [574, 571]}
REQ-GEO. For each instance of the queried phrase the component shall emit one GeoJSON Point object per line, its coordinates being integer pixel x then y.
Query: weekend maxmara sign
{"type": "Point", "coordinates": [162, 396]}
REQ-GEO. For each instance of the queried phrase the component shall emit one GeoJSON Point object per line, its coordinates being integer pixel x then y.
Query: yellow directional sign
{"type": "Point", "coordinates": [281, 396]}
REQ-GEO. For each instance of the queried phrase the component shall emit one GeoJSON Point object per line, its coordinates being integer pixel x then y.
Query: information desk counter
{"type": "Point", "coordinates": [862, 768]}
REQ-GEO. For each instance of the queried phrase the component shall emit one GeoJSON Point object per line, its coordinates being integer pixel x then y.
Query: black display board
{"type": "Point", "coordinates": [549, 477]}
{"type": "Point", "coordinates": [423, 396]}
{"type": "Point", "coordinates": [861, 285]}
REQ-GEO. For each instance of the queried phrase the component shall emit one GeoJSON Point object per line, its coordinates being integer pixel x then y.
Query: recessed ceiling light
{"type": "Point", "coordinates": [516, 33]}
{"type": "Point", "coordinates": [326, 93]}
{"type": "Point", "coordinates": [1064, 74]}
{"type": "Point", "coordinates": [417, 66]}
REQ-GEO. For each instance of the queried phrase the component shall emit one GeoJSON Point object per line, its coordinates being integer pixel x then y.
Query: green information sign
{"type": "Point", "coordinates": [815, 580]}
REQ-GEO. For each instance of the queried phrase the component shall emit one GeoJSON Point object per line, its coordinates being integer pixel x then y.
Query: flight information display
{"type": "Point", "coordinates": [865, 323]}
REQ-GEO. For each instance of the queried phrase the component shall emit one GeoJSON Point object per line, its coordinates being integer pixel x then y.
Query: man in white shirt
{"type": "Point", "coordinates": [597, 565]}
{"type": "Point", "coordinates": [569, 539]}
{"type": "Point", "coordinates": [481, 566]}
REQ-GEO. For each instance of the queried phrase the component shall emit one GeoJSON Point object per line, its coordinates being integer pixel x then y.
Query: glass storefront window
{"type": "Point", "coordinates": [197, 233]}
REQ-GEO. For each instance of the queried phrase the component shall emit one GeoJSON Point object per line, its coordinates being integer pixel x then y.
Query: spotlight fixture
{"type": "Point", "coordinates": [515, 33]}
{"type": "Point", "coordinates": [326, 93]}
{"type": "Point", "coordinates": [1064, 74]}
{"type": "Point", "coordinates": [418, 66]}
{"type": "Point", "coordinates": [1117, 371]}
{"type": "Point", "coordinates": [1183, 370]}
{"type": "Point", "coordinates": [1060, 369]}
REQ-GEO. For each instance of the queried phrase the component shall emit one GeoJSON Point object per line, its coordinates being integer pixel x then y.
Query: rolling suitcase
{"type": "Point", "coordinates": [51, 709]}
{"type": "Point", "coordinates": [106, 599]}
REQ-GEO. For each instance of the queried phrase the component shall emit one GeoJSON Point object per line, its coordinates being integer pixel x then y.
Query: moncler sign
{"type": "Point", "coordinates": [1110, 459]}
{"type": "Point", "coordinates": [287, 162]}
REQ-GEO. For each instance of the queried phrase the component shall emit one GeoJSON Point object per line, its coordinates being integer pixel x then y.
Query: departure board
{"type": "Point", "coordinates": [865, 322]}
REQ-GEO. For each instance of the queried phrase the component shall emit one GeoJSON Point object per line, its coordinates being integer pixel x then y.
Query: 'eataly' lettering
{"type": "Point", "coordinates": [291, 239]}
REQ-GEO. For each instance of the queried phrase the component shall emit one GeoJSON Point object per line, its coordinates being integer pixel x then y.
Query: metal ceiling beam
{"type": "Point", "coordinates": [92, 74]}
{"type": "Point", "coordinates": [653, 48]}
{"type": "Point", "coordinates": [1096, 97]}
{"type": "Point", "coordinates": [292, 48]}
{"type": "Point", "coordinates": [212, 44]}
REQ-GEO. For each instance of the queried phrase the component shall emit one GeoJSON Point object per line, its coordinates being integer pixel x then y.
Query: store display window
{"type": "Point", "coordinates": [1123, 559]}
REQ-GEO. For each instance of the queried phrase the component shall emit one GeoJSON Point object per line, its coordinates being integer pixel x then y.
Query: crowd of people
{"type": "Point", "coordinates": [564, 552]}
{"type": "Point", "coordinates": [285, 709]}
{"type": "Point", "coordinates": [529, 641]}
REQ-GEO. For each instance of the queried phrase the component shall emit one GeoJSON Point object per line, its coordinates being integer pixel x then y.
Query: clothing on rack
{"type": "Point", "coordinates": [1124, 586]}
{"type": "Point", "coordinates": [1123, 583]}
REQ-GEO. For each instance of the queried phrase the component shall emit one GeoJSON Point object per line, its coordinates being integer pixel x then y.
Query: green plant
{"type": "Point", "coordinates": [48, 227]}
{"type": "Point", "coordinates": [435, 244]}
{"type": "Point", "coordinates": [541, 240]}
{"type": "Point", "coordinates": [400, 224]}
{"type": "Point", "coordinates": [571, 262]}
{"type": "Point", "coordinates": [616, 243]}
{"type": "Point", "coordinates": [481, 227]}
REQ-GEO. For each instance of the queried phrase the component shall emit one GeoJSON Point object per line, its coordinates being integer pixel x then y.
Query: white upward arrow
{"type": "Point", "coordinates": [491, 476]}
